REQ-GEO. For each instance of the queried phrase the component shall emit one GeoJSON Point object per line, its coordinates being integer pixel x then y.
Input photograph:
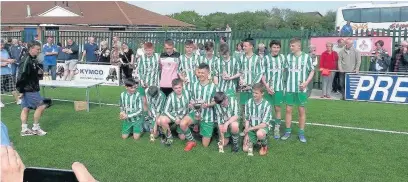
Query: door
{"type": "Point", "coordinates": [29, 34]}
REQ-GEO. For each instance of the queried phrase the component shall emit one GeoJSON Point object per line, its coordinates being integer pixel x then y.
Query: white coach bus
{"type": "Point", "coordinates": [373, 16]}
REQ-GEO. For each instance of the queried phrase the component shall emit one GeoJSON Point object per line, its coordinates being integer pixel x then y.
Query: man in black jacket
{"type": "Point", "coordinates": [29, 87]}
{"type": "Point", "coordinates": [399, 60]}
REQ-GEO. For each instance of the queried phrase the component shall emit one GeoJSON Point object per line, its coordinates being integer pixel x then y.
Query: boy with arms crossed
{"type": "Point", "coordinates": [202, 99]}
{"type": "Point", "coordinates": [175, 109]}
{"type": "Point", "coordinates": [273, 81]}
{"type": "Point", "coordinates": [131, 108]}
{"type": "Point", "coordinates": [227, 113]}
{"type": "Point", "coordinates": [188, 63]}
{"type": "Point", "coordinates": [258, 113]}
{"type": "Point", "coordinates": [300, 73]}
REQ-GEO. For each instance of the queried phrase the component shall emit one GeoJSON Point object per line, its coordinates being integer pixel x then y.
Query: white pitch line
{"type": "Point", "coordinates": [356, 128]}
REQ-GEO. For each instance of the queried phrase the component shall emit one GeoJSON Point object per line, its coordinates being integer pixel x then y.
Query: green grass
{"type": "Point", "coordinates": [331, 154]}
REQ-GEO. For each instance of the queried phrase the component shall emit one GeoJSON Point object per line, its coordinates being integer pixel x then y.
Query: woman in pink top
{"type": "Point", "coordinates": [169, 62]}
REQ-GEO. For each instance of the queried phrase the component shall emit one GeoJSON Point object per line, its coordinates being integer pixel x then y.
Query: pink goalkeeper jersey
{"type": "Point", "coordinates": [169, 67]}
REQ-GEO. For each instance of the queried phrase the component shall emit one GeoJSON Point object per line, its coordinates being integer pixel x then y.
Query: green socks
{"type": "Point", "coordinates": [188, 135]}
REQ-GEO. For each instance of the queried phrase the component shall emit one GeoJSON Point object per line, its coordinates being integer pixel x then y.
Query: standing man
{"type": "Point", "coordinates": [89, 51]}
{"type": "Point", "coordinates": [50, 51]}
{"type": "Point", "coordinates": [16, 51]}
{"type": "Point", "coordinates": [346, 30]}
{"type": "Point", "coordinates": [28, 85]}
{"type": "Point", "coordinates": [273, 81]}
{"type": "Point", "coordinates": [300, 74]}
{"type": "Point", "coordinates": [169, 62]}
{"type": "Point", "coordinates": [349, 61]}
{"type": "Point", "coordinates": [399, 60]}
{"type": "Point", "coordinates": [7, 81]}
{"type": "Point", "coordinates": [71, 60]}
{"type": "Point", "coordinates": [36, 38]}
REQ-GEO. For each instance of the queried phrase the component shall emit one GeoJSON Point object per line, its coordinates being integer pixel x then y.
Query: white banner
{"type": "Point", "coordinates": [90, 72]}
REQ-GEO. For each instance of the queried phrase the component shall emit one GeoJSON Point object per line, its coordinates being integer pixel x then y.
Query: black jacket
{"type": "Point", "coordinates": [28, 78]}
{"type": "Point", "coordinates": [403, 60]}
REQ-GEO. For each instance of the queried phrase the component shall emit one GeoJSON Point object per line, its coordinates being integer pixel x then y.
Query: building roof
{"type": "Point", "coordinates": [315, 13]}
{"type": "Point", "coordinates": [92, 13]}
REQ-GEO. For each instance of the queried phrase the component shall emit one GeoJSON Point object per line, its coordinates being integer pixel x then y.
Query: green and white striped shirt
{"type": "Point", "coordinates": [149, 69]}
{"type": "Point", "coordinates": [188, 65]}
{"type": "Point", "coordinates": [252, 68]}
{"type": "Point", "coordinates": [177, 107]}
{"type": "Point", "coordinates": [274, 66]}
{"type": "Point", "coordinates": [205, 93]}
{"type": "Point", "coordinates": [224, 113]}
{"type": "Point", "coordinates": [132, 105]}
{"type": "Point", "coordinates": [257, 113]}
{"type": "Point", "coordinates": [210, 62]}
{"type": "Point", "coordinates": [298, 71]}
{"type": "Point", "coordinates": [156, 104]}
{"type": "Point", "coordinates": [231, 68]}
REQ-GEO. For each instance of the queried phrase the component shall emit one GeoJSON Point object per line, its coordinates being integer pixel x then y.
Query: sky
{"type": "Point", "coordinates": [207, 7]}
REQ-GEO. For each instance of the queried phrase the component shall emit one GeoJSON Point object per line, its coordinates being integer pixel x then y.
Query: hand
{"type": "Point", "coordinates": [357, 71]}
{"type": "Point", "coordinates": [12, 168]}
{"type": "Point", "coordinates": [246, 130]}
{"type": "Point", "coordinates": [11, 60]}
{"type": "Point", "coordinates": [226, 78]}
{"type": "Point", "coordinates": [123, 115]}
{"type": "Point", "coordinates": [20, 96]}
{"type": "Point", "coordinates": [223, 129]}
{"type": "Point", "coordinates": [270, 91]}
{"type": "Point", "coordinates": [82, 174]}
{"type": "Point", "coordinates": [205, 105]}
{"type": "Point", "coordinates": [303, 86]}
{"type": "Point", "coordinates": [178, 121]}
{"type": "Point", "coordinates": [4, 64]}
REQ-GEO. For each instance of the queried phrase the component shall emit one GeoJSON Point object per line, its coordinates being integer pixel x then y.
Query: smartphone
{"type": "Point", "coordinates": [37, 174]}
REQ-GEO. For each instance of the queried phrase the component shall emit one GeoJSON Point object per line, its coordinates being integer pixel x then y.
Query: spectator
{"type": "Point", "coordinates": [71, 59]}
{"type": "Point", "coordinates": [62, 56]}
{"type": "Point", "coordinates": [312, 54]}
{"type": "Point", "coordinates": [20, 42]}
{"type": "Point", "coordinates": [201, 49]}
{"type": "Point", "coordinates": [115, 55]}
{"type": "Point", "coordinates": [16, 52]}
{"type": "Point", "coordinates": [104, 54]}
{"type": "Point", "coordinates": [238, 50]}
{"type": "Point", "coordinates": [7, 45]}
{"type": "Point", "coordinates": [399, 60]}
{"type": "Point", "coordinates": [262, 51]}
{"type": "Point", "coordinates": [50, 51]}
{"type": "Point", "coordinates": [349, 61]}
{"type": "Point", "coordinates": [223, 40]}
{"type": "Point", "coordinates": [36, 38]}
{"type": "Point", "coordinates": [336, 81]}
{"type": "Point", "coordinates": [28, 85]}
{"type": "Point", "coordinates": [127, 56]}
{"type": "Point", "coordinates": [140, 51]}
{"type": "Point", "coordinates": [346, 30]}
{"type": "Point", "coordinates": [115, 41]}
{"type": "Point", "coordinates": [380, 60]}
{"type": "Point", "coordinates": [328, 63]}
{"type": "Point", "coordinates": [169, 61]}
{"type": "Point", "coordinates": [196, 50]}
{"type": "Point", "coordinates": [7, 80]}
{"type": "Point", "coordinates": [90, 50]}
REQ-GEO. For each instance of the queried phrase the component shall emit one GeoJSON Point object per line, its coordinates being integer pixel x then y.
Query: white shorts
{"type": "Point", "coordinates": [71, 64]}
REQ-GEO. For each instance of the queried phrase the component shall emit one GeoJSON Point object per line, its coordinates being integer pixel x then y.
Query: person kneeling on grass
{"type": "Point", "coordinates": [155, 100]}
{"type": "Point", "coordinates": [131, 110]}
{"type": "Point", "coordinates": [227, 112]}
{"type": "Point", "coordinates": [203, 112]}
{"type": "Point", "coordinates": [258, 114]}
{"type": "Point", "coordinates": [174, 110]}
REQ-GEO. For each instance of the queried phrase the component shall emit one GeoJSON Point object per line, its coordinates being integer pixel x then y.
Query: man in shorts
{"type": "Point", "coordinates": [71, 60]}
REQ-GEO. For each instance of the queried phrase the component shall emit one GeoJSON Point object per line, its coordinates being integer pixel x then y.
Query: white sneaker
{"type": "Point", "coordinates": [19, 102]}
{"type": "Point", "coordinates": [1, 104]}
{"type": "Point", "coordinates": [39, 132]}
{"type": "Point", "coordinates": [27, 132]}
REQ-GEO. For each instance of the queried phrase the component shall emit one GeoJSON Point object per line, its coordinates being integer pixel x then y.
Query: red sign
{"type": "Point", "coordinates": [365, 45]}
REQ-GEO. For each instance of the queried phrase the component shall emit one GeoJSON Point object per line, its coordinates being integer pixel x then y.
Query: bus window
{"type": "Point", "coordinates": [370, 15]}
{"type": "Point", "coordinates": [352, 15]}
{"type": "Point", "coordinates": [390, 14]}
{"type": "Point", "coordinates": [404, 14]}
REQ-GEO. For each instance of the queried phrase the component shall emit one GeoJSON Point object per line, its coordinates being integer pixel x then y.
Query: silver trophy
{"type": "Point", "coordinates": [224, 71]}
{"type": "Point", "coordinates": [198, 105]}
{"type": "Point", "coordinates": [243, 86]}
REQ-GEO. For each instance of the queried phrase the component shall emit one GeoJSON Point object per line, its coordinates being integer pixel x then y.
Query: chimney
{"type": "Point", "coordinates": [66, 4]}
{"type": "Point", "coordinates": [28, 11]}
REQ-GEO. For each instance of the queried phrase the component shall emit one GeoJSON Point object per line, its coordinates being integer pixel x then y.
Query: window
{"type": "Point", "coordinates": [390, 14]}
{"type": "Point", "coordinates": [352, 15]}
{"type": "Point", "coordinates": [370, 15]}
{"type": "Point", "coordinates": [404, 13]}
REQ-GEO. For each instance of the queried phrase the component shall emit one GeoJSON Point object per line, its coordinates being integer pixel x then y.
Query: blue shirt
{"type": "Point", "coordinates": [5, 140]}
{"type": "Point", "coordinates": [346, 30]}
{"type": "Point", "coordinates": [90, 52]}
{"type": "Point", "coordinates": [5, 70]}
{"type": "Point", "coordinates": [51, 59]}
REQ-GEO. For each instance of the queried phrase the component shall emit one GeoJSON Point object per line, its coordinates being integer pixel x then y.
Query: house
{"type": "Point", "coordinates": [35, 16]}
